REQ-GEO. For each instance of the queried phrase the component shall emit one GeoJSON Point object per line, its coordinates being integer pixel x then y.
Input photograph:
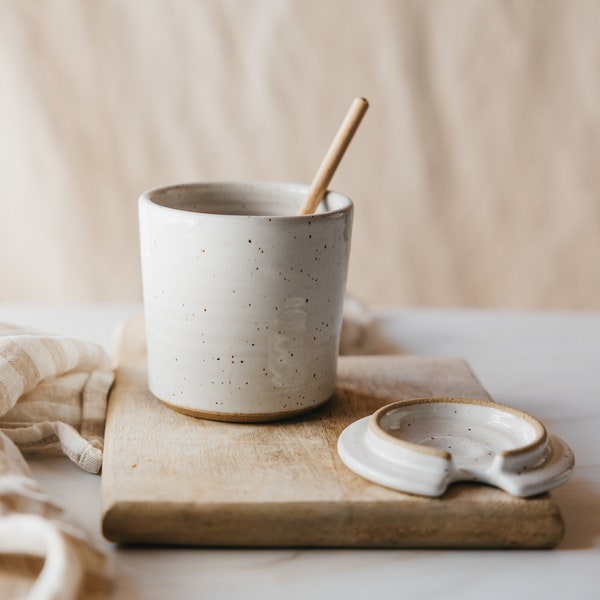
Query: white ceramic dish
{"type": "Point", "coordinates": [422, 445]}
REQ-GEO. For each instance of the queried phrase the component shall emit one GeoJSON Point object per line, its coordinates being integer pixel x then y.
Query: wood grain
{"type": "Point", "coordinates": [172, 479]}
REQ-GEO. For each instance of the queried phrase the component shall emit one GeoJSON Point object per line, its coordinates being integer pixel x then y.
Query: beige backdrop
{"type": "Point", "coordinates": [475, 173]}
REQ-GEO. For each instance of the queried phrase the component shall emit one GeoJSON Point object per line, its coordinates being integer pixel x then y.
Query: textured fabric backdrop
{"type": "Point", "coordinates": [475, 173]}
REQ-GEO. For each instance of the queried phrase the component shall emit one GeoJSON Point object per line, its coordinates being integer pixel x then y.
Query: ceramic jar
{"type": "Point", "coordinates": [243, 298]}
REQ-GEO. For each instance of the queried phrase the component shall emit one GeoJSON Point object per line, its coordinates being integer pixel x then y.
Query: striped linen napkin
{"type": "Point", "coordinates": [53, 395]}
{"type": "Point", "coordinates": [53, 399]}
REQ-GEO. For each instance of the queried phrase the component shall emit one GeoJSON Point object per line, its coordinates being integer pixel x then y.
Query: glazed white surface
{"type": "Point", "coordinates": [543, 363]}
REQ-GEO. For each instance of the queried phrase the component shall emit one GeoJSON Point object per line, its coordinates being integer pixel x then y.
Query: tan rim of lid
{"type": "Point", "coordinates": [541, 435]}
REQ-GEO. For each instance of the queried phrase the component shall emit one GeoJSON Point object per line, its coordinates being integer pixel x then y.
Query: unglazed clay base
{"type": "Point", "coordinates": [241, 417]}
{"type": "Point", "coordinates": [421, 446]}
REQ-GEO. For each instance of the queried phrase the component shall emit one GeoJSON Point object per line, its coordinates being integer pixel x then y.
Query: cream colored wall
{"type": "Point", "coordinates": [475, 173]}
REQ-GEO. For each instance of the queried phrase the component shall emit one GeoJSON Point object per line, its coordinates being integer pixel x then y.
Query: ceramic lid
{"type": "Point", "coordinates": [423, 445]}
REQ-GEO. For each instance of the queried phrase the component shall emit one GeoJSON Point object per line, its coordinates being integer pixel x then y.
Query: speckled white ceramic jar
{"type": "Point", "coordinates": [243, 298]}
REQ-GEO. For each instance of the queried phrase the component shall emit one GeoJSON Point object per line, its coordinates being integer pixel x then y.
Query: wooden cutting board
{"type": "Point", "coordinates": [173, 479]}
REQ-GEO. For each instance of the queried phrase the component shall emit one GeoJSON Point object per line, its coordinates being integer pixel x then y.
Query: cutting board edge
{"type": "Point", "coordinates": [330, 526]}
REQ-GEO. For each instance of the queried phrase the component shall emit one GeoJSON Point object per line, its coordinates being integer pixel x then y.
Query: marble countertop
{"type": "Point", "coordinates": [546, 363]}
